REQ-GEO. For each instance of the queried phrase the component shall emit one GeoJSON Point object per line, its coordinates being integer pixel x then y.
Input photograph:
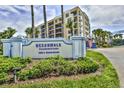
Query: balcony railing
{"type": "Point", "coordinates": [50, 29]}
{"type": "Point", "coordinates": [51, 33]}
{"type": "Point", "coordinates": [50, 24]}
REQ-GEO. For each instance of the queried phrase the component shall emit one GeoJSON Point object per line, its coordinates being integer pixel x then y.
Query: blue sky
{"type": "Point", "coordinates": [107, 17]}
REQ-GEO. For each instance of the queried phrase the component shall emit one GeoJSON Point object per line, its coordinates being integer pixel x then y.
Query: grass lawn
{"type": "Point", "coordinates": [106, 79]}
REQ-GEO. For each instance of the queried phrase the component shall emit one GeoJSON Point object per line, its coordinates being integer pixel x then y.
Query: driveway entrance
{"type": "Point", "coordinates": [116, 56]}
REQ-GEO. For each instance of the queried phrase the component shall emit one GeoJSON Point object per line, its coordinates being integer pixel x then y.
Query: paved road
{"type": "Point", "coordinates": [116, 56]}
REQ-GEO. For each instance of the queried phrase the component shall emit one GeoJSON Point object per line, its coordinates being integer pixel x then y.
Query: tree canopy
{"type": "Point", "coordinates": [29, 32]}
{"type": "Point", "coordinates": [102, 37]}
{"type": "Point", "coordinates": [7, 33]}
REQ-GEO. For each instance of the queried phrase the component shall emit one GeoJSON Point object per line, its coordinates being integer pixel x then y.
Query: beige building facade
{"type": "Point", "coordinates": [80, 25]}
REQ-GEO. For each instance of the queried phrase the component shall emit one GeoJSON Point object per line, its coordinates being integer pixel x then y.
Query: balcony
{"type": "Point", "coordinates": [42, 27]}
{"type": "Point", "coordinates": [43, 35]}
{"type": "Point", "coordinates": [59, 35]}
{"type": "Point", "coordinates": [42, 30]}
{"type": "Point", "coordinates": [75, 19]}
{"type": "Point", "coordinates": [57, 26]}
{"type": "Point", "coordinates": [51, 36]}
{"type": "Point", "coordinates": [75, 13]}
{"type": "Point", "coordinates": [51, 33]}
{"type": "Point", "coordinates": [59, 31]}
{"type": "Point", "coordinates": [50, 29]}
{"type": "Point", "coordinates": [51, 23]}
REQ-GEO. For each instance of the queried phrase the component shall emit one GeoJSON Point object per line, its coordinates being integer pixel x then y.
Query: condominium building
{"type": "Point", "coordinates": [76, 23]}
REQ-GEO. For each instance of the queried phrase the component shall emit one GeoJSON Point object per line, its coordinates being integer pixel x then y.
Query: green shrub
{"type": "Point", "coordinates": [3, 77]}
{"type": "Point", "coordinates": [45, 68]}
{"type": "Point", "coordinates": [87, 67]}
{"type": "Point", "coordinates": [8, 64]}
{"type": "Point", "coordinates": [107, 79]}
{"type": "Point", "coordinates": [68, 69]}
{"type": "Point", "coordinates": [59, 66]}
{"type": "Point", "coordinates": [23, 75]}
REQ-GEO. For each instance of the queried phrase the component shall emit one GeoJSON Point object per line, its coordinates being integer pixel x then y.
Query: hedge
{"type": "Point", "coordinates": [8, 64]}
{"type": "Point", "coordinates": [58, 66]}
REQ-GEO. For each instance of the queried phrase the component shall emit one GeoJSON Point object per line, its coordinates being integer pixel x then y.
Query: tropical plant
{"type": "Point", "coordinates": [118, 40]}
{"type": "Point", "coordinates": [102, 38]}
{"type": "Point", "coordinates": [70, 25]}
{"type": "Point", "coordinates": [7, 33]}
{"type": "Point", "coordinates": [37, 32]}
{"type": "Point", "coordinates": [8, 64]}
{"type": "Point", "coordinates": [57, 66]}
{"type": "Point", "coordinates": [29, 32]}
{"type": "Point", "coordinates": [118, 36]}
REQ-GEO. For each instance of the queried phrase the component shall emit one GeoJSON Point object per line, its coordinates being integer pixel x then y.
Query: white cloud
{"type": "Point", "coordinates": [14, 16]}
{"type": "Point", "coordinates": [9, 9]}
{"type": "Point", "coordinates": [102, 16]}
{"type": "Point", "coordinates": [19, 17]}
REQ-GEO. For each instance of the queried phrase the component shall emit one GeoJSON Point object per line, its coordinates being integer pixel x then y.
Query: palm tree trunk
{"type": "Point", "coordinates": [62, 13]}
{"type": "Point", "coordinates": [45, 21]}
{"type": "Point", "coordinates": [32, 15]}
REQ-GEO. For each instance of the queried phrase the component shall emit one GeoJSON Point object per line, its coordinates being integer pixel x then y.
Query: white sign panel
{"type": "Point", "coordinates": [39, 49]}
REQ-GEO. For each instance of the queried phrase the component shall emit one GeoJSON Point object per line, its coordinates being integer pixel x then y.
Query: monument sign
{"type": "Point", "coordinates": [43, 48]}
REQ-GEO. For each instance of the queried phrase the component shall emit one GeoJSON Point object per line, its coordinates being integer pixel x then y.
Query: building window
{"type": "Point", "coordinates": [74, 12]}
{"type": "Point", "coordinates": [69, 19]}
{"type": "Point", "coordinates": [42, 26]}
{"type": "Point", "coordinates": [50, 23]}
{"type": "Point", "coordinates": [79, 12]}
{"type": "Point", "coordinates": [69, 32]}
{"type": "Point", "coordinates": [75, 19]}
{"type": "Point", "coordinates": [67, 15]}
{"type": "Point", "coordinates": [56, 21]}
{"type": "Point", "coordinates": [75, 25]}
{"type": "Point", "coordinates": [60, 19]}
{"type": "Point", "coordinates": [58, 25]}
{"type": "Point", "coordinates": [75, 32]}
{"type": "Point", "coordinates": [69, 37]}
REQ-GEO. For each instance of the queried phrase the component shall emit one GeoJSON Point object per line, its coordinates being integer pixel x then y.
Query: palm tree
{"type": "Point", "coordinates": [98, 36]}
{"type": "Point", "coordinates": [29, 32]}
{"type": "Point", "coordinates": [62, 13]}
{"type": "Point", "coordinates": [45, 20]}
{"type": "Point", "coordinates": [32, 15]}
{"type": "Point", "coordinates": [70, 25]}
{"type": "Point", "coordinates": [120, 36]}
{"type": "Point", "coordinates": [8, 33]}
{"type": "Point", "coordinates": [37, 32]}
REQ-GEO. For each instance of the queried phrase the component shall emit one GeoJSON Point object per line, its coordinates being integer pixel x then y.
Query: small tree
{"type": "Point", "coordinates": [29, 32]}
{"type": "Point", "coordinates": [8, 33]}
{"type": "Point", "coordinates": [102, 38]}
{"type": "Point", "coordinates": [70, 25]}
